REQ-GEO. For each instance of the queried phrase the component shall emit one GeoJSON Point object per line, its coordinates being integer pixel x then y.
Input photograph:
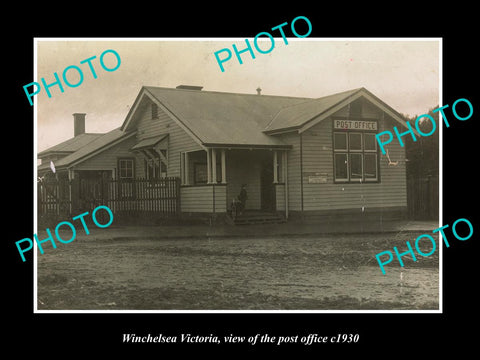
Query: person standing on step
{"type": "Point", "coordinates": [242, 197]}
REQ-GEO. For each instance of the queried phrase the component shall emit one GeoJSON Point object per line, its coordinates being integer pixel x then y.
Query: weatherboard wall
{"type": "Point", "coordinates": [194, 199]}
{"type": "Point", "coordinates": [203, 199]}
{"type": "Point", "coordinates": [108, 159]}
{"type": "Point", "coordinates": [178, 140]}
{"type": "Point", "coordinates": [293, 171]}
{"type": "Point", "coordinates": [312, 153]}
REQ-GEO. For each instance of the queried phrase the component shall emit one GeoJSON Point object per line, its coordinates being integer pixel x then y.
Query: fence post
{"type": "Point", "coordinates": [40, 209]}
{"type": "Point", "coordinates": [75, 194]}
{"type": "Point", "coordinates": [177, 191]}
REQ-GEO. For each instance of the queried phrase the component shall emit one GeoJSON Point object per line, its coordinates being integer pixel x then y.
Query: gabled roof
{"type": "Point", "coordinates": [70, 145]}
{"type": "Point", "coordinates": [297, 115]}
{"type": "Point", "coordinates": [102, 142]}
{"type": "Point", "coordinates": [302, 116]}
{"type": "Point", "coordinates": [216, 118]}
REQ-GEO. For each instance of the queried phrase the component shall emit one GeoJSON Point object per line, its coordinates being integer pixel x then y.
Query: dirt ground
{"type": "Point", "coordinates": [330, 272]}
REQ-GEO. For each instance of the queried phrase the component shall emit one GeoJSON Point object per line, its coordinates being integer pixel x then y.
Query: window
{"type": "Point", "coordinates": [200, 173]}
{"type": "Point", "coordinates": [154, 111]}
{"type": "Point", "coordinates": [355, 156]}
{"type": "Point", "coordinates": [369, 142]}
{"type": "Point", "coordinates": [341, 166]}
{"type": "Point", "coordinates": [356, 166]}
{"type": "Point", "coordinates": [125, 169]}
{"type": "Point", "coordinates": [155, 169]}
{"type": "Point", "coordinates": [340, 140]}
{"type": "Point", "coordinates": [370, 166]}
{"type": "Point", "coordinates": [355, 141]}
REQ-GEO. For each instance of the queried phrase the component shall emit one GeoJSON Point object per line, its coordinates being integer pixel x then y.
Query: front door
{"type": "Point", "coordinates": [267, 190]}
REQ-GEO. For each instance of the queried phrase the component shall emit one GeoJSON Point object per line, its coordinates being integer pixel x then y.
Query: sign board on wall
{"type": "Point", "coordinates": [355, 125]}
{"type": "Point", "coordinates": [315, 177]}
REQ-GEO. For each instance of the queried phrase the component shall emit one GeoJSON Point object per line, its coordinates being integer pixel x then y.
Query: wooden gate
{"type": "Point", "coordinates": [423, 198]}
{"type": "Point", "coordinates": [53, 197]}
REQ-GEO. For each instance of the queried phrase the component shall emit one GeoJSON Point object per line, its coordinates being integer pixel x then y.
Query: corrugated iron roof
{"type": "Point", "coordinates": [296, 115]}
{"type": "Point", "coordinates": [224, 118]}
{"type": "Point", "coordinates": [70, 145]}
{"type": "Point", "coordinates": [218, 119]}
{"type": "Point", "coordinates": [102, 141]}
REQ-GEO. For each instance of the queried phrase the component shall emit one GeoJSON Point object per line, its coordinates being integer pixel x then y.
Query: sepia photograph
{"type": "Point", "coordinates": [165, 182]}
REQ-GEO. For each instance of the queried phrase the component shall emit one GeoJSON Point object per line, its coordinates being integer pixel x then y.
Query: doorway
{"type": "Point", "coordinates": [267, 189]}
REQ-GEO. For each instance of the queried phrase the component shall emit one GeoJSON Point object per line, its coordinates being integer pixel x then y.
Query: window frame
{"type": "Point", "coordinates": [351, 154]}
{"type": "Point", "coordinates": [119, 162]}
{"type": "Point", "coordinates": [157, 167]}
{"type": "Point", "coordinates": [340, 180]}
{"type": "Point", "coordinates": [349, 141]}
{"type": "Point", "coordinates": [199, 165]}
{"type": "Point", "coordinates": [346, 140]}
{"type": "Point", "coordinates": [374, 141]}
{"type": "Point", "coordinates": [126, 189]}
{"type": "Point", "coordinates": [348, 152]}
{"type": "Point", "coordinates": [376, 179]}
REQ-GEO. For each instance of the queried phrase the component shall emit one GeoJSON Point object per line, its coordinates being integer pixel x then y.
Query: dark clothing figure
{"type": "Point", "coordinates": [243, 197]}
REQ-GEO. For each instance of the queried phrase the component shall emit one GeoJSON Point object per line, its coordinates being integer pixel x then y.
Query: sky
{"type": "Point", "coordinates": [404, 73]}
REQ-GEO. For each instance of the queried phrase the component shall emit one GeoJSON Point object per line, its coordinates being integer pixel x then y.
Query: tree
{"type": "Point", "coordinates": [422, 158]}
{"type": "Point", "coordinates": [423, 155]}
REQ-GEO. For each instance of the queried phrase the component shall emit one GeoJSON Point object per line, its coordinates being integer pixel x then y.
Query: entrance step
{"type": "Point", "coordinates": [250, 218]}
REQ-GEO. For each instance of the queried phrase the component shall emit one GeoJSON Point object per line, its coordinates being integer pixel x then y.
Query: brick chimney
{"type": "Point", "coordinates": [78, 124]}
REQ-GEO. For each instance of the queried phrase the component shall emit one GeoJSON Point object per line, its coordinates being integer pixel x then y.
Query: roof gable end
{"type": "Point", "coordinates": [295, 116]}
{"type": "Point", "coordinates": [303, 116]}
{"type": "Point", "coordinates": [130, 121]}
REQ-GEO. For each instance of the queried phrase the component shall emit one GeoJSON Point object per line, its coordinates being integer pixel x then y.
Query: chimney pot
{"type": "Point", "coordinates": [259, 91]}
{"type": "Point", "coordinates": [78, 124]}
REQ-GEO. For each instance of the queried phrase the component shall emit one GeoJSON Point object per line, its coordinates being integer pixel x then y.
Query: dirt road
{"type": "Point", "coordinates": [288, 273]}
